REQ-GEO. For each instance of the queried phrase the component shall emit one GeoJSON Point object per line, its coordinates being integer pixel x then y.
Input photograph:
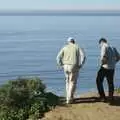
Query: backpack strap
{"type": "Point", "coordinates": [117, 54]}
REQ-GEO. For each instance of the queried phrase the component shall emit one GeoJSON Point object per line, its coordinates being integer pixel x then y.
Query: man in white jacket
{"type": "Point", "coordinates": [71, 58]}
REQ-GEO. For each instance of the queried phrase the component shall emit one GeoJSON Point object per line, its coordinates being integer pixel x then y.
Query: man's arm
{"type": "Point", "coordinates": [82, 57]}
{"type": "Point", "coordinates": [59, 57]}
{"type": "Point", "coordinates": [103, 57]}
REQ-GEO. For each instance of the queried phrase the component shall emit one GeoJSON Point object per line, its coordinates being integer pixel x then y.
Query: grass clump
{"type": "Point", "coordinates": [117, 89]}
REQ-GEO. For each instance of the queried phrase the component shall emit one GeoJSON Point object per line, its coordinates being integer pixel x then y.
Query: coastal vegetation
{"type": "Point", "coordinates": [25, 98]}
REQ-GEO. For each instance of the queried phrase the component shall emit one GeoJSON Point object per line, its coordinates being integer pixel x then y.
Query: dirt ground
{"type": "Point", "coordinates": [87, 107]}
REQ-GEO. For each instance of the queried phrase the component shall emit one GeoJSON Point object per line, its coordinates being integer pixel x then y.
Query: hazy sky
{"type": "Point", "coordinates": [59, 4]}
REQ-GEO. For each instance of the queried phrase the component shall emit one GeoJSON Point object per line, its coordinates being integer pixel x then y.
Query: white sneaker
{"type": "Point", "coordinates": [69, 101]}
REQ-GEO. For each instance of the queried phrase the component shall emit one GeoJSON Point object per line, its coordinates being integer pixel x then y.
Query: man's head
{"type": "Point", "coordinates": [102, 41]}
{"type": "Point", "coordinates": [71, 40]}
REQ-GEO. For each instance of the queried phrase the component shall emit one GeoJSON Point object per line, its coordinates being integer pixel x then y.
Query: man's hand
{"type": "Point", "coordinates": [59, 67]}
{"type": "Point", "coordinates": [104, 60]}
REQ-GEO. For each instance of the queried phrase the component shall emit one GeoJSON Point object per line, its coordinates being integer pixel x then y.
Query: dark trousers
{"type": "Point", "coordinates": [109, 74]}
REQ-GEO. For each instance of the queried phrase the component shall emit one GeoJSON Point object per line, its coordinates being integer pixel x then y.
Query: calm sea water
{"type": "Point", "coordinates": [29, 45]}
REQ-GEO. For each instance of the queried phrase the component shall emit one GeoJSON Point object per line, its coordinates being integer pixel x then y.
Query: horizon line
{"type": "Point", "coordinates": [59, 10]}
{"type": "Point", "coordinates": [61, 13]}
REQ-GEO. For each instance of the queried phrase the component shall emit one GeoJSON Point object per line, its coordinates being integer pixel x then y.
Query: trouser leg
{"type": "Point", "coordinates": [71, 74]}
{"type": "Point", "coordinates": [73, 82]}
{"type": "Point", "coordinates": [67, 85]}
{"type": "Point", "coordinates": [110, 75]}
{"type": "Point", "coordinates": [70, 85]}
{"type": "Point", "coordinates": [99, 82]}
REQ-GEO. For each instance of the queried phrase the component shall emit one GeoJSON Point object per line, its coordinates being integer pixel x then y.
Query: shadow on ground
{"type": "Point", "coordinates": [115, 102]}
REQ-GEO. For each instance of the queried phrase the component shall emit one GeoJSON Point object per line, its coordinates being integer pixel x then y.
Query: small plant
{"type": "Point", "coordinates": [25, 98]}
{"type": "Point", "coordinates": [117, 89]}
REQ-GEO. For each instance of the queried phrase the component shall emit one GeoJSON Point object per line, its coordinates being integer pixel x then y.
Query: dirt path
{"type": "Point", "coordinates": [87, 108]}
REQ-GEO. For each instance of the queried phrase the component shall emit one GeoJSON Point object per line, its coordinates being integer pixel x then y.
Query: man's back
{"type": "Point", "coordinates": [71, 54]}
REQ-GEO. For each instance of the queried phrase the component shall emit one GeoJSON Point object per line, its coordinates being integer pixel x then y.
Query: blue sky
{"type": "Point", "coordinates": [59, 4]}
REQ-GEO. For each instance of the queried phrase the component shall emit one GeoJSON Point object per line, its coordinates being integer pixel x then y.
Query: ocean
{"type": "Point", "coordinates": [29, 46]}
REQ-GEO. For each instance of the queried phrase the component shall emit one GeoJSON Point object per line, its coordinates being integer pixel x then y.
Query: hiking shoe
{"type": "Point", "coordinates": [111, 99]}
{"type": "Point", "coordinates": [69, 101]}
{"type": "Point", "coordinates": [102, 99]}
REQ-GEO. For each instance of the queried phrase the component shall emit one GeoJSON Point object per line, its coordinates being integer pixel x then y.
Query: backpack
{"type": "Point", "coordinates": [114, 54]}
{"type": "Point", "coordinates": [117, 55]}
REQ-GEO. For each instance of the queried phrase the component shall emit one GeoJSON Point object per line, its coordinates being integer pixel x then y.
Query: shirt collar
{"type": "Point", "coordinates": [105, 45]}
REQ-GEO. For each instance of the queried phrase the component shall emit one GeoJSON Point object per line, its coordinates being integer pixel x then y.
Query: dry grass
{"type": "Point", "coordinates": [87, 107]}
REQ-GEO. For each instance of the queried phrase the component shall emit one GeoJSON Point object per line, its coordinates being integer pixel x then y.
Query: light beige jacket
{"type": "Point", "coordinates": [71, 54]}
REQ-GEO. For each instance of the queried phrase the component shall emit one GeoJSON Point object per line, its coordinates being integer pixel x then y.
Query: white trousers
{"type": "Point", "coordinates": [71, 75]}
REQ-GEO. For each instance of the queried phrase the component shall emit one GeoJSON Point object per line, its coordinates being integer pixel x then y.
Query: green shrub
{"type": "Point", "coordinates": [25, 98]}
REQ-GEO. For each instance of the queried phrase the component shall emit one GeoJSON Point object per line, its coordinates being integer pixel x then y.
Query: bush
{"type": "Point", "coordinates": [25, 98]}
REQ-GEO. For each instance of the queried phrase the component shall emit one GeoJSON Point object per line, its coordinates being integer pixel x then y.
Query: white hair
{"type": "Point", "coordinates": [70, 39]}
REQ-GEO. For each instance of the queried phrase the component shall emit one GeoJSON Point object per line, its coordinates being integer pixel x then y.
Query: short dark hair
{"type": "Point", "coordinates": [72, 41]}
{"type": "Point", "coordinates": [102, 40]}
